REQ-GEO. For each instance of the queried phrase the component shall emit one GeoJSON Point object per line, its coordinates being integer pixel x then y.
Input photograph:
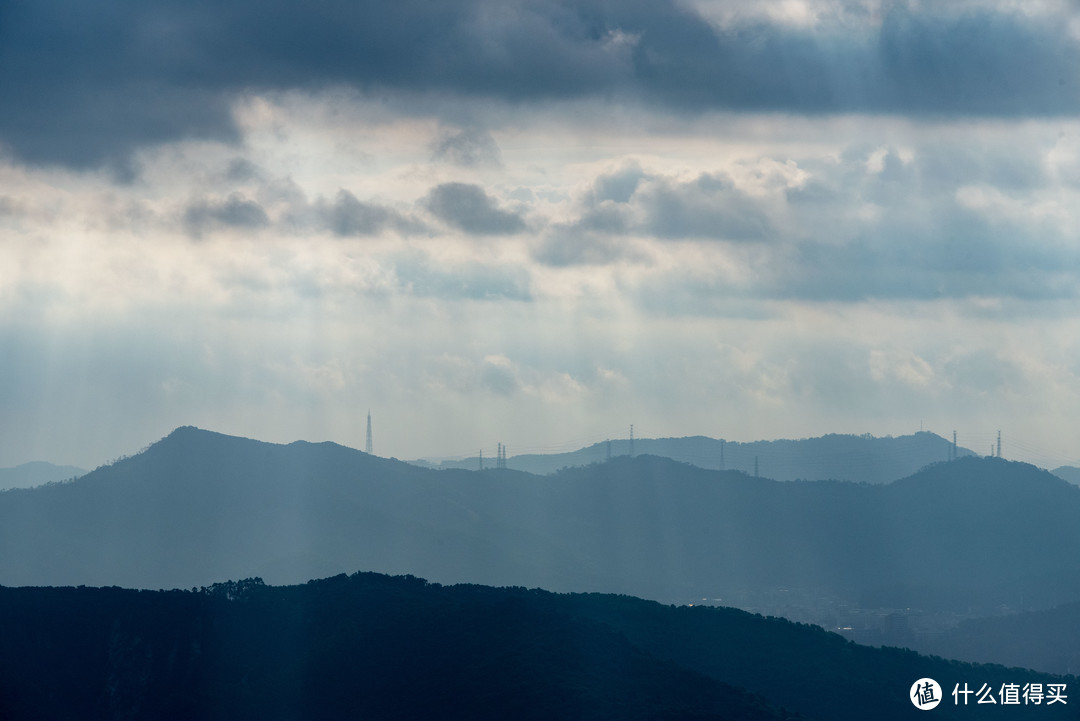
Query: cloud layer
{"type": "Point", "coordinates": [535, 222]}
{"type": "Point", "coordinates": [87, 87]}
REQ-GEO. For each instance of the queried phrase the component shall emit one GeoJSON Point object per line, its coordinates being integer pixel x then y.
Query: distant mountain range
{"type": "Point", "coordinates": [374, 647]}
{"type": "Point", "coordinates": [1047, 640]}
{"type": "Point", "coordinates": [833, 457]}
{"type": "Point", "coordinates": [1068, 473]}
{"type": "Point", "coordinates": [36, 473]}
{"type": "Point", "coordinates": [972, 536]}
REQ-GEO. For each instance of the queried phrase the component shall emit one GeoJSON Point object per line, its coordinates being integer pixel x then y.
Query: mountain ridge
{"type": "Point", "coordinates": [861, 458]}
{"type": "Point", "coordinates": [198, 507]}
{"type": "Point", "coordinates": [36, 473]}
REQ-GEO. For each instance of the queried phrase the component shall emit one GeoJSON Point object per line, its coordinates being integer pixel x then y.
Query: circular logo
{"type": "Point", "coordinates": [925, 694]}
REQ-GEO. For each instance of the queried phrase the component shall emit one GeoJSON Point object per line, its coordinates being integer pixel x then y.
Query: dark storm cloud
{"type": "Point", "coordinates": [236, 211]}
{"type": "Point", "coordinates": [469, 208]}
{"type": "Point", "coordinates": [85, 85]}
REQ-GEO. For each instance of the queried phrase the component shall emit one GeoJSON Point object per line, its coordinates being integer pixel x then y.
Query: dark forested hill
{"type": "Point", "coordinates": [374, 647]}
{"type": "Point", "coordinates": [969, 536]}
{"type": "Point", "coordinates": [865, 459]}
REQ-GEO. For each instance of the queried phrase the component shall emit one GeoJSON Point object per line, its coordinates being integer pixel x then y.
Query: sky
{"type": "Point", "coordinates": [537, 222]}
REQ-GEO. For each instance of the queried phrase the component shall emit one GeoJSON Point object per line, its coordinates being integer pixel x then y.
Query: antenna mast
{"type": "Point", "coordinates": [368, 446]}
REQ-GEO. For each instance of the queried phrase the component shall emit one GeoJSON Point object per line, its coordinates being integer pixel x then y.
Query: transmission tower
{"type": "Point", "coordinates": [999, 445]}
{"type": "Point", "coordinates": [500, 458]}
{"type": "Point", "coordinates": [953, 446]}
{"type": "Point", "coordinates": [368, 446]}
{"type": "Point", "coordinates": [631, 440]}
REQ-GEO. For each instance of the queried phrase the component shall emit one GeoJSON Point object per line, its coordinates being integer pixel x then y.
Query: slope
{"type": "Point", "coordinates": [370, 646]}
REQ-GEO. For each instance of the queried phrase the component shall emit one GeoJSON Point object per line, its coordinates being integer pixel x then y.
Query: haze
{"type": "Point", "coordinates": [536, 223]}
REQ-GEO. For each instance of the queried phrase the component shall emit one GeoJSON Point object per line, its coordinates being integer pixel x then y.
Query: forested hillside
{"type": "Point", "coordinates": [375, 647]}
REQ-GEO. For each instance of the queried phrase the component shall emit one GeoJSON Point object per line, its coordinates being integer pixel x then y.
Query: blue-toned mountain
{"type": "Point", "coordinates": [865, 458]}
{"type": "Point", "coordinates": [968, 536]}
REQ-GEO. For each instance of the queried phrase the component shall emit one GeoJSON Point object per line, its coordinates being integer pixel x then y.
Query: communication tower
{"type": "Point", "coordinates": [367, 446]}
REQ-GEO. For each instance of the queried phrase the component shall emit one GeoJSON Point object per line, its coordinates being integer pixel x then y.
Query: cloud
{"type": "Point", "coordinates": [89, 87]}
{"type": "Point", "coordinates": [618, 186]}
{"type": "Point", "coordinates": [468, 281]}
{"type": "Point", "coordinates": [235, 211]}
{"type": "Point", "coordinates": [567, 246]}
{"type": "Point", "coordinates": [984, 371]}
{"type": "Point", "coordinates": [9, 207]}
{"type": "Point", "coordinates": [241, 170]}
{"type": "Point", "coordinates": [709, 206]}
{"type": "Point", "coordinates": [467, 147]}
{"type": "Point", "coordinates": [499, 375]}
{"type": "Point", "coordinates": [467, 207]}
{"type": "Point", "coordinates": [347, 216]}
{"type": "Point", "coordinates": [631, 201]}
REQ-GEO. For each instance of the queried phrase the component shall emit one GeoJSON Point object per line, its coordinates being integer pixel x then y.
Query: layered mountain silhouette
{"type": "Point", "coordinates": [36, 473]}
{"type": "Point", "coordinates": [374, 647]}
{"type": "Point", "coordinates": [1068, 473]}
{"type": "Point", "coordinates": [1047, 640]}
{"type": "Point", "coordinates": [864, 458]}
{"type": "Point", "coordinates": [970, 536]}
